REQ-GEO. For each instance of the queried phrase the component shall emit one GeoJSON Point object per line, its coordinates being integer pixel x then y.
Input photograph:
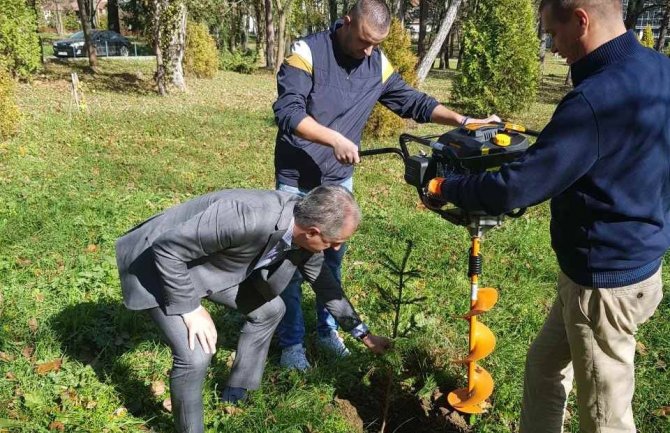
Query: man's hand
{"type": "Point", "coordinates": [345, 151]}
{"type": "Point", "coordinates": [376, 344]}
{"type": "Point", "coordinates": [199, 324]}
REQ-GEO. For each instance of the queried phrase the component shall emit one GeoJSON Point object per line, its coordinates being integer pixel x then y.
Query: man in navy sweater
{"type": "Point", "coordinates": [326, 91]}
{"type": "Point", "coordinates": [603, 159]}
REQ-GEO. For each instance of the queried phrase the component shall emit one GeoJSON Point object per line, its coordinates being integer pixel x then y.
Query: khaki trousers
{"type": "Point", "coordinates": [589, 336]}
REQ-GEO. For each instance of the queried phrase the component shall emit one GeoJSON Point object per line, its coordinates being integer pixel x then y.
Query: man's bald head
{"type": "Point", "coordinates": [561, 9]}
{"type": "Point", "coordinates": [375, 13]}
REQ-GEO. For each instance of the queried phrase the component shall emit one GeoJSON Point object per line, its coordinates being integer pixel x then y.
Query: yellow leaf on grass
{"type": "Point", "coordinates": [157, 388]}
{"type": "Point", "coordinates": [47, 367]}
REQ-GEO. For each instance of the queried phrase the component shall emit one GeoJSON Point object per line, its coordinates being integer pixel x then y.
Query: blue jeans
{"type": "Point", "coordinates": [291, 329]}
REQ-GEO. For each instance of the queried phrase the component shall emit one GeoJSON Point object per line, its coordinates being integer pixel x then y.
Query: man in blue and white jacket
{"type": "Point", "coordinates": [327, 88]}
{"type": "Point", "coordinates": [604, 160]}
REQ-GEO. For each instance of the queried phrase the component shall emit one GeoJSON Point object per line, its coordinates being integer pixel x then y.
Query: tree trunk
{"type": "Point", "coordinates": [543, 44]}
{"type": "Point", "coordinates": [663, 31]}
{"type": "Point", "coordinates": [283, 12]}
{"type": "Point", "coordinates": [445, 27]}
{"type": "Point", "coordinates": [245, 29]}
{"type": "Point", "coordinates": [260, 31]}
{"type": "Point", "coordinates": [399, 10]}
{"type": "Point", "coordinates": [92, 13]}
{"type": "Point", "coordinates": [161, 74]}
{"type": "Point", "coordinates": [332, 8]}
{"type": "Point", "coordinates": [86, 27]}
{"type": "Point", "coordinates": [113, 22]}
{"type": "Point", "coordinates": [177, 45]}
{"type": "Point", "coordinates": [633, 13]}
{"type": "Point", "coordinates": [269, 37]}
{"type": "Point", "coordinates": [423, 22]}
{"type": "Point", "coordinates": [60, 28]}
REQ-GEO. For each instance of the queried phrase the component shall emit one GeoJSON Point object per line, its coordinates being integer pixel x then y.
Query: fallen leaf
{"type": "Point", "coordinates": [233, 410]}
{"type": "Point", "coordinates": [24, 262]}
{"type": "Point", "coordinates": [10, 376]}
{"type": "Point", "coordinates": [119, 412]}
{"type": "Point", "coordinates": [641, 349]}
{"type": "Point", "coordinates": [23, 150]}
{"type": "Point", "coordinates": [28, 351]}
{"type": "Point", "coordinates": [661, 365]}
{"type": "Point", "coordinates": [158, 388]}
{"type": "Point", "coordinates": [32, 324]}
{"type": "Point", "coordinates": [662, 411]}
{"type": "Point", "coordinates": [91, 404]}
{"type": "Point", "coordinates": [47, 367]}
{"type": "Point", "coordinates": [39, 297]}
{"type": "Point", "coordinates": [167, 404]}
{"type": "Point", "coordinates": [91, 248]}
{"type": "Point", "coordinates": [56, 425]}
{"type": "Point", "coordinates": [6, 357]}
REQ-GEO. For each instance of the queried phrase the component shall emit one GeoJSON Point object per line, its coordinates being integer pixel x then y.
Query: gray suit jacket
{"type": "Point", "coordinates": [213, 242]}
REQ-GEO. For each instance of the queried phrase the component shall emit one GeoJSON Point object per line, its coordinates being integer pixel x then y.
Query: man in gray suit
{"type": "Point", "coordinates": [238, 248]}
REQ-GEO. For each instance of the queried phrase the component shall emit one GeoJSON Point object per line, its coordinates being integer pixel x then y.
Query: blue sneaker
{"type": "Point", "coordinates": [334, 343]}
{"type": "Point", "coordinates": [293, 357]}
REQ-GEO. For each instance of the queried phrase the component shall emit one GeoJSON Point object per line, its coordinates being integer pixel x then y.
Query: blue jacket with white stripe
{"type": "Point", "coordinates": [319, 80]}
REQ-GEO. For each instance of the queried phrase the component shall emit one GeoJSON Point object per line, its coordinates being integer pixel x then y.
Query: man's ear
{"type": "Point", "coordinates": [312, 231]}
{"type": "Point", "coordinates": [584, 20]}
{"type": "Point", "coordinates": [347, 20]}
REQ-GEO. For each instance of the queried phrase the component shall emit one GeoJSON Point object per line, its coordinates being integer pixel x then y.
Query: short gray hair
{"type": "Point", "coordinates": [375, 13]}
{"type": "Point", "coordinates": [327, 207]}
{"type": "Point", "coordinates": [561, 9]}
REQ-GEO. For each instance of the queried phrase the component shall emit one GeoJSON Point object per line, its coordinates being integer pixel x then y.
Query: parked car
{"type": "Point", "coordinates": [107, 43]}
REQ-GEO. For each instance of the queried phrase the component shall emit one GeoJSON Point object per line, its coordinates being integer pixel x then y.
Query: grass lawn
{"type": "Point", "coordinates": [73, 359]}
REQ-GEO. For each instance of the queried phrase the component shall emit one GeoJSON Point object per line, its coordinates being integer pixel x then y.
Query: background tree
{"type": "Point", "coordinates": [663, 31]}
{"type": "Point", "coordinates": [113, 22]}
{"type": "Point", "coordinates": [636, 8]}
{"type": "Point", "coordinates": [448, 20]}
{"type": "Point", "coordinates": [9, 112]}
{"type": "Point", "coordinates": [500, 68]}
{"type": "Point", "coordinates": [648, 37]}
{"type": "Point", "coordinates": [85, 17]}
{"type": "Point", "coordinates": [269, 37]}
{"type": "Point", "coordinates": [283, 12]}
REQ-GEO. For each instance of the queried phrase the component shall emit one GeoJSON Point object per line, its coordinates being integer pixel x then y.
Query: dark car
{"type": "Point", "coordinates": [107, 43]}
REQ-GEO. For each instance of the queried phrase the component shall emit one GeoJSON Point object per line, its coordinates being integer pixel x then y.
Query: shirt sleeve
{"type": "Point", "coordinates": [566, 149]}
{"type": "Point", "coordinates": [401, 98]}
{"type": "Point", "coordinates": [294, 83]}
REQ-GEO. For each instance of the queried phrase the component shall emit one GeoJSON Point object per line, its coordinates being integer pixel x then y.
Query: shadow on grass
{"type": "Point", "coordinates": [361, 389]}
{"type": "Point", "coordinates": [552, 89]}
{"type": "Point", "coordinates": [108, 78]}
{"type": "Point", "coordinates": [100, 333]}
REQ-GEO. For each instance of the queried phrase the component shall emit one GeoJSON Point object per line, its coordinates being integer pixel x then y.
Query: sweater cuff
{"type": "Point", "coordinates": [359, 330]}
{"type": "Point", "coordinates": [295, 120]}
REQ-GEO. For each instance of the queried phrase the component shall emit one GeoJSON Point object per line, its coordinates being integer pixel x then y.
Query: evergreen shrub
{"type": "Point", "coordinates": [200, 55]}
{"type": "Point", "coordinates": [19, 44]}
{"type": "Point", "coordinates": [500, 66]}
{"type": "Point", "coordinates": [397, 48]}
{"type": "Point", "coordinates": [244, 63]}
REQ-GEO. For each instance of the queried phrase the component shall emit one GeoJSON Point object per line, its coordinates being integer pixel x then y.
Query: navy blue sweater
{"type": "Point", "coordinates": [319, 80]}
{"type": "Point", "coordinates": [604, 159]}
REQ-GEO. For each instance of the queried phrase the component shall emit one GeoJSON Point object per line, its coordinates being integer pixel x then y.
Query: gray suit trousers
{"type": "Point", "coordinates": [190, 366]}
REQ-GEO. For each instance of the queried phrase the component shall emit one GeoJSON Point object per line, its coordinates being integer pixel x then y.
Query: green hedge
{"type": "Point", "coordinates": [19, 44]}
{"type": "Point", "coordinates": [9, 112]}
